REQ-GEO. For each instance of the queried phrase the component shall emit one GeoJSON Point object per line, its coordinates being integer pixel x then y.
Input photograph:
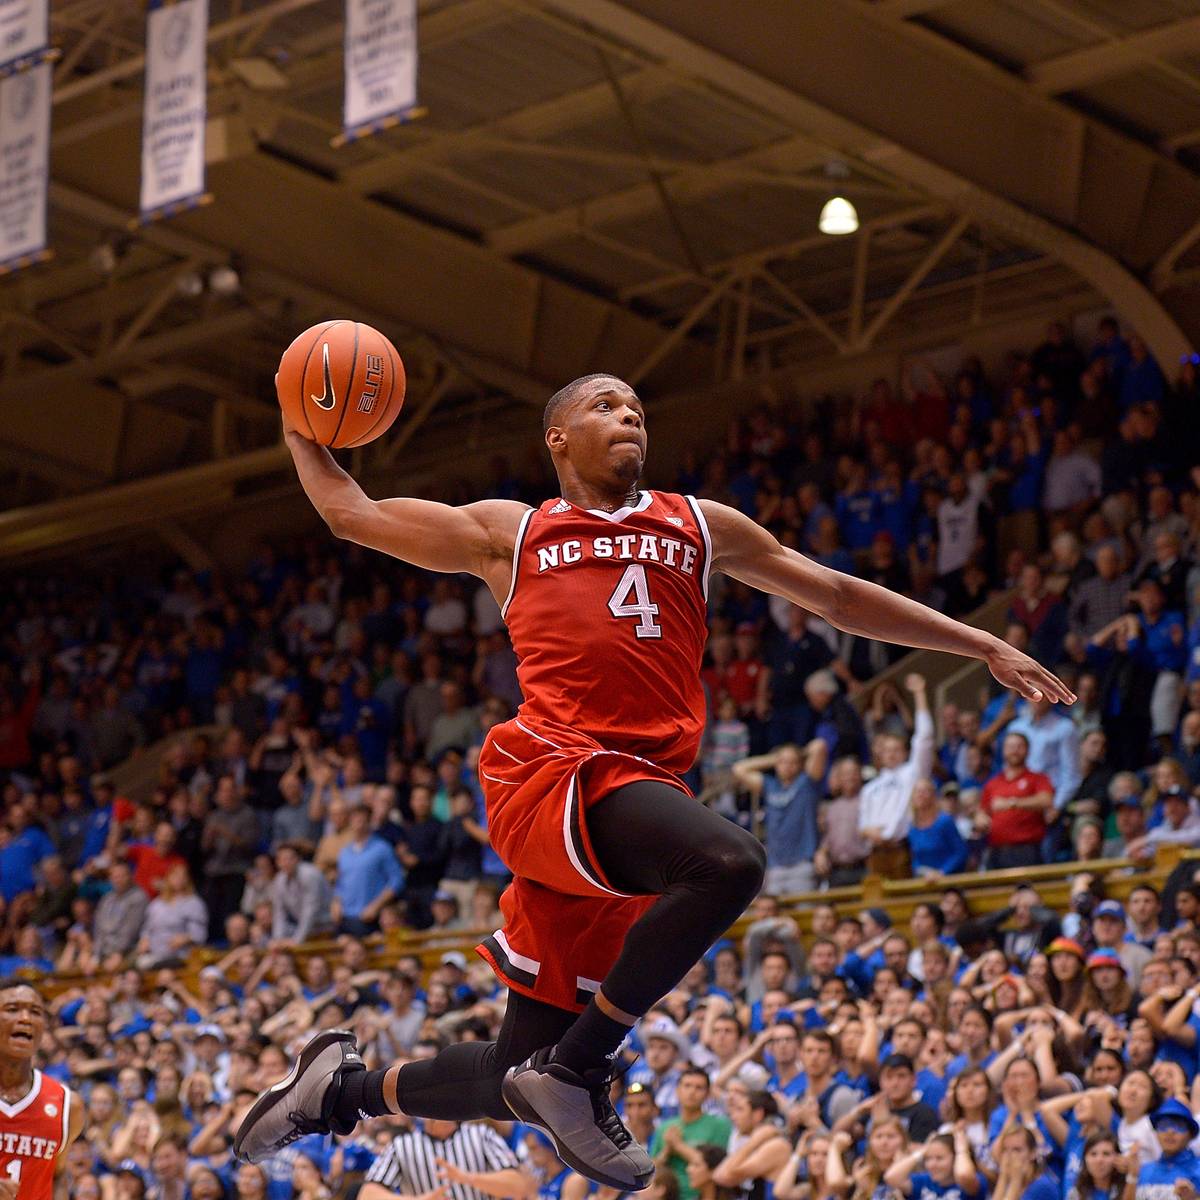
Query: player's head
{"type": "Point", "coordinates": [595, 428]}
{"type": "Point", "coordinates": [22, 1019]}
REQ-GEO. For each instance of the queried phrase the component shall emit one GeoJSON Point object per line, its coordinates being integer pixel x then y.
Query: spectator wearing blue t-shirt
{"type": "Point", "coordinates": [1021, 468]}
{"type": "Point", "coordinates": [1142, 381]}
{"type": "Point", "coordinates": [21, 854]}
{"type": "Point", "coordinates": [368, 876]}
{"type": "Point", "coordinates": [790, 784]}
{"type": "Point", "coordinates": [935, 845]}
{"type": "Point", "coordinates": [1022, 1175]}
{"type": "Point", "coordinates": [896, 500]}
{"type": "Point", "coordinates": [858, 512]}
{"type": "Point", "coordinates": [1111, 350]}
{"type": "Point", "coordinates": [948, 1170]}
{"type": "Point", "coordinates": [1176, 1128]}
{"type": "Point", "coordinates": [1158, 637]}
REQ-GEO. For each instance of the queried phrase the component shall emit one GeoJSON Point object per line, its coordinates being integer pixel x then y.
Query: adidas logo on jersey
{"type": "Point", "coordinates": [676, 521]}
{"type": "Point", "coordinates": [561, 507]}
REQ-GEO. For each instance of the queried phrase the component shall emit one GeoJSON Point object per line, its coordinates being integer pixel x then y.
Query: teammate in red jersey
{"type": "Point", "coordinates": [38, 1116]}
{"type": "Point", "coordinates": [622, 880]}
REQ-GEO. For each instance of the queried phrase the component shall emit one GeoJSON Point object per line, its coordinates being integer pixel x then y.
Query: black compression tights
{"type": "Point", "coordinates": [651, 839]}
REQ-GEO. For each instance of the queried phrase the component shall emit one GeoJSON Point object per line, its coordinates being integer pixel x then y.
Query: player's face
{"type": "Point", "coordinates": [606, 432]}
{"type": "Point", "coordinates": [22, 1022]}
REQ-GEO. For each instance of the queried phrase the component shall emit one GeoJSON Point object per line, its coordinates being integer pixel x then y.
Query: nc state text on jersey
{"type": "Point", "coordinates": [624, 547]}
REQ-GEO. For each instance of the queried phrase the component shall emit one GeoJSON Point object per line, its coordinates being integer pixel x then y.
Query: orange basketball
{"type": "Point", "coordinates": [341, 384]}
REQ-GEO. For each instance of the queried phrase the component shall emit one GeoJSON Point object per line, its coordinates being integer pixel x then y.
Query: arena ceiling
{"type": "Point", "coordinates": [631, 186]}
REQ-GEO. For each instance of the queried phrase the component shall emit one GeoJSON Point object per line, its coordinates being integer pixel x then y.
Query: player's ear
{"type": "Point", "coordinates": [556, 439]}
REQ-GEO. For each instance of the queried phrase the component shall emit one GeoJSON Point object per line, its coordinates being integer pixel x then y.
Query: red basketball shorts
{"type": "Point", "coordinates": [564, 923]}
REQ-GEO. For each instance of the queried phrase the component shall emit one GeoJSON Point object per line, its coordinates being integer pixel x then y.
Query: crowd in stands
{"type": "Point", "coordinates": [333, 703]}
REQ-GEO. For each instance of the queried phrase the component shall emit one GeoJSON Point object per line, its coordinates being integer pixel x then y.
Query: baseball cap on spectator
{"type": "Point", "coordinates": [455, 958]}
{"type": "Point", "coordinates": [1130, 801]}
{"type": "Point", "coordinates": [1109, 908]}
{"type": "Point", "coordinates": [444, 897]}
{"type": "Point", "coordinates": [666, 1030]}
{"type": "Point", "coordinates": [212, 1031]}
{"type": "Point", "coordinates": [1064, 945]}
{"type": "Point", "coordinates": [879, 916]}
{"type": "Point", "coordinates": [1173, 1113]}
{"type": "Point", "coordinates": [900, 1062]}
{"type": "Point", "coordinates": [1105, 958]}
{"type": "Point", "coordinates": [1175, 792]}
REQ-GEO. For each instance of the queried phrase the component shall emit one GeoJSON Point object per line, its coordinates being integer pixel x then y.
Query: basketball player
{"type": "Point", "coordinates": [38, 1120]}
{"type": "Point", "coordinates": [622, 880]}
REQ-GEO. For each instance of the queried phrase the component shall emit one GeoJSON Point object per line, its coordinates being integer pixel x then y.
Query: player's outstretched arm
{"type": "Point", "coordinates": [439, 537]}
{"type": "Point", "coordinates": [745, 550]}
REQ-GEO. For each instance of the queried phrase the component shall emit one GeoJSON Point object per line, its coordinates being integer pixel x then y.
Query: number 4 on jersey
{"type": "Point", "coordinates": [633, 583]}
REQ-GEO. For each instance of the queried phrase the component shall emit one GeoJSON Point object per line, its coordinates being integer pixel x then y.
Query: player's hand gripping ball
{"type": "Point", "coordinates": [341, 384]}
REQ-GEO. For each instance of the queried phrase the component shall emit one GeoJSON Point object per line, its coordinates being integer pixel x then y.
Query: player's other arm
{"type": "Point", "coordinates": [437, 537]}
{"type": "Point", "coordinates": [745, 550]}
{"type": "Point", "coordinates": [74, 1129]}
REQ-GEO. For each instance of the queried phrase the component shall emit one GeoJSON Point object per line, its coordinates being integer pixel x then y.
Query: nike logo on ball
{"type": "Point", "coordinates": [326, 399]}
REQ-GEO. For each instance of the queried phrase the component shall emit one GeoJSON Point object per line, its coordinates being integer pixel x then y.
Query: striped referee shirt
{"type": "Point", "coordinates": [409, 1164]}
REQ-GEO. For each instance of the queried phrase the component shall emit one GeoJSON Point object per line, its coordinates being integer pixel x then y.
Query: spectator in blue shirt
{"type": "Point", "coordinates": [1142, 382]}
{"type": "Point", "coordinates": [368, 876]}
{"type": "Point", "coordinates": [1111, 350]}
{"type": "Point", "coordinates": [99, 823]}
{"type": "Point", "coordinates": [22, 848]}
{"type": "Point", "coordinates": [858, 512]}
{"type": "Point", "coordinates": [1175, 1127]}
{"type": "Point", "coordinates": [1159, 639]}
{"type": "Point", "coordinates": [1022, 1176]}
{"type": "Point", "coordinates": [895, 501]}
{"type": "Point", "coordinates": [791, 785]}
{"type": "Point", "coordinates": [935, 845]}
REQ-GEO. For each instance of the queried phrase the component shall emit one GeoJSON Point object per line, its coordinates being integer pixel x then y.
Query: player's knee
{"type": "Point", "coordinates": [739, 863]}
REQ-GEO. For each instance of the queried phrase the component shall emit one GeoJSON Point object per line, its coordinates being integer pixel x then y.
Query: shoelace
{"type": "Point", "coordinates": [605, 1116]}
{"type": "Point", "coordinates": [302, 1126]}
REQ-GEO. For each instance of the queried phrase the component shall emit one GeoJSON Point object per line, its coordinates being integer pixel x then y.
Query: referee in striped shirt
{"type": "Point", "coordinates": [448, 1160]}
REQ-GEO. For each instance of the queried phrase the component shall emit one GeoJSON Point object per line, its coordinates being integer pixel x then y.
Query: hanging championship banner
{"type": "Point", "coordinates": [381, 65]}
{"type": "Point", "coordinates": [174, 114]}
{"type": "Point", "coordinates": [24, 32]}
{"type": "Point", "coordinates": [24, 166]}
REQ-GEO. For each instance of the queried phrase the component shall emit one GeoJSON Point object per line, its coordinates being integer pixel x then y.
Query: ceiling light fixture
{"type": "Point", "coordinates": [224, 281]}
{"type": "Point", "coordinates": [839, 216]}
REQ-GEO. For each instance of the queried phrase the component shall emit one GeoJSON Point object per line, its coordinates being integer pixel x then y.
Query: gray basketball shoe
{"type": "Point", "coordinates": [576, 1113]}
{"type": "Point", "coordinates": [303, 1102]}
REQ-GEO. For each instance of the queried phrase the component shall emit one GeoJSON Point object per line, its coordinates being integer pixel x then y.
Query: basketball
{"type": "Point", "coordinates": [341, 384]}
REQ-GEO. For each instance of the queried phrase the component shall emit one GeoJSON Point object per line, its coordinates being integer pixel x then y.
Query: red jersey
{"type": "Point", "coordinates": [607, 617]}
{"type": "Point", "coordinates": [33, 1132]}
{"type": "Point", "coordinates": [738, 680]}
{"type": "Point", "coordinates": [1015, 826]}
{"type": "Point", "coordinates": [150, 867]}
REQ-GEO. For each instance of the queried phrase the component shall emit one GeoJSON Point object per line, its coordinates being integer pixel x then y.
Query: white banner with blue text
{"type": "Point", "coordinates": [175, 107]}
{"type": "Point", "coordinates": [24, 165]}
{"type": "Point", "coordinates": [24, 33]}
{"type": "Point", "coordinates": [381, 64]}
